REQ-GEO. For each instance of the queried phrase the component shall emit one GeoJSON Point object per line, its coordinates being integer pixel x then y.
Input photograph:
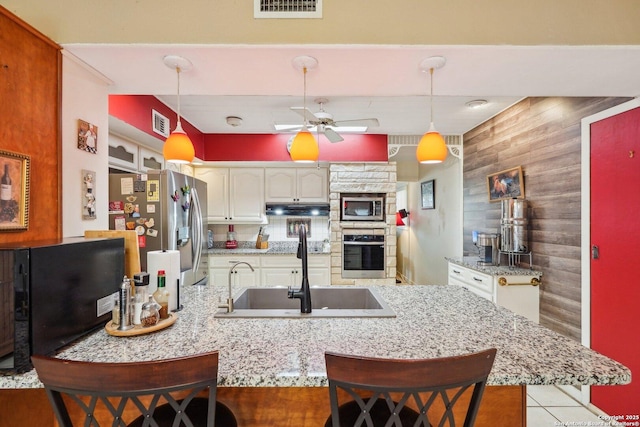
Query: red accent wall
{"type": "Point", "coordinates": [615, 229]}
{"type": "Point", "coordinates": [273, 147]}
{"type": "Point", "coordinates": [136, 111]}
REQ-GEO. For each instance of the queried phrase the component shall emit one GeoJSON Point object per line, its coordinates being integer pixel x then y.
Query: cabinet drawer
{"type": "Point", "coordinates": [482, 282]}
{"type": "Point", "coordinates": [224, 261]}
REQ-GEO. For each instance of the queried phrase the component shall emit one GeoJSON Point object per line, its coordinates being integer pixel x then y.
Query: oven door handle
{"type": "Point", "coordinates": [364, 243]}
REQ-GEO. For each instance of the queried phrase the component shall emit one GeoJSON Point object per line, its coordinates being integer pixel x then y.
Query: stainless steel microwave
{"type": "Point", "coordinates": [362, 208]}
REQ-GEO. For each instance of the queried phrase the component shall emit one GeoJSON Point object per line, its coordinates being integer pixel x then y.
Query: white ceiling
{"type": "Point", "coordinates": [260, 84]}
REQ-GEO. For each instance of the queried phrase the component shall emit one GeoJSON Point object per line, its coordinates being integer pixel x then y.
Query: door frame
{"type": "Point", "coordinates": [584, 395]}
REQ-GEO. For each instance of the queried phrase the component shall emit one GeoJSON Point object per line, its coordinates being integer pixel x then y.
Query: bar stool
{"type": "Point", "coordinates": [159, 393]}
{"type": "Point", "coordinates": [373, 392]}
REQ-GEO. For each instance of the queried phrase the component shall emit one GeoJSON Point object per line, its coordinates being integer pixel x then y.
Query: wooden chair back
{"type": "Point", "coordinates": [85, 393]}
{"type": "Point", "coordinates": [372, 392]}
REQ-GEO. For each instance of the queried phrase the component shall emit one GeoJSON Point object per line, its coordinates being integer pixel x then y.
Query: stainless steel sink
{"type": "Point", "coordinates": [326, 302]}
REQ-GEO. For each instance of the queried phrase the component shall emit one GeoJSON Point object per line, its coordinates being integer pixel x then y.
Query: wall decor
{"type": "Point", "coordinates": [87, 136]}
{"type": "Point", "coordinates": [293, 226]}
{"type": "Point", "coordinates": [88, 194]}
{"type": "Point", "coordinates": [506, 184]}
{"type": "Point", "coordinates": [14, 191]}
{"type": "Point", "coordinates": [428, 193]}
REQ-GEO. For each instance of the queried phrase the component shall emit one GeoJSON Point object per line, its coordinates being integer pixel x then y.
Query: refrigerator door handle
{"type": "Point", "coordinates": [198, 230]}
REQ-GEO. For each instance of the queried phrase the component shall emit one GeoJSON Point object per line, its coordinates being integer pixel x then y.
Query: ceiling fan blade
{"type": "Point", "coordinates": [306, 113]}
{"type": "Point", "coordinates": [288, 128]}
{"type": "Point", "coordinates": [358, 122]}
{"type": "Point", "coordinates": [331, 135]}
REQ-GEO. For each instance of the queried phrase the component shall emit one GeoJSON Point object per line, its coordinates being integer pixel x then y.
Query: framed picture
{"type": "Point", "coordinates": [428, 193]}
{"type": "Point", "coordinates": [88, 194]}
{"type": "Point", "coordinates": [14, 191]}
{"type": "Point", "coordinates": [293, 226]}
{"type": "Point", "coordinates": [87, 137]}
{"type": "Point", "coordinates": [506, 184]}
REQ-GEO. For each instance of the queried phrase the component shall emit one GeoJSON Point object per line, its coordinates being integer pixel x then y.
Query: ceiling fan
{"type": "Point", "coordinates": [325, 123]}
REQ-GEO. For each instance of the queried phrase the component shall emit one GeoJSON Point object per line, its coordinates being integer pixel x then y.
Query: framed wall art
{"type": "Point", "coordinates": [14, 191]}
{"type": "Point", "coordinates": [428, 194]}
{"type": "Point", "coordinates": [87, 137]}
{"type": "Point", "coordinates": [88, 194]}
{"type": "Point", "coordinates": [506, 184]}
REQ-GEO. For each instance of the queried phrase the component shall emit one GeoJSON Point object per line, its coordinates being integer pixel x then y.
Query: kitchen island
{"type": "Point", "coordinates": [272, 371]}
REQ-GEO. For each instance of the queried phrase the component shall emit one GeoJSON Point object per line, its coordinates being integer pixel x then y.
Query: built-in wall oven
{"type": "Point", "coordinates": [363, 254]}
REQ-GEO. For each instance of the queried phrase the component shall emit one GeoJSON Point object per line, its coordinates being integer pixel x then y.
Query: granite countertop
{"type": "Point", "coordinates": [431, 321]}
{"type": "Point", "coordinates": [493, 270]}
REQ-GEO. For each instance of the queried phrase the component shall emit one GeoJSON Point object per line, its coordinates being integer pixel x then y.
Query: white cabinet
{"type": "Point", "coordinates": [234, 195]}
{"type": "Point", "coordinates": [286, 270]}
{"type": "Point", "coordinates": [129, 156]}
{"type": "Point", "coordinates": [286, 185]}
{"type": "Point", "coordinates": [219, 266]}
{"type": "Point", "coordinates": [518, 292]}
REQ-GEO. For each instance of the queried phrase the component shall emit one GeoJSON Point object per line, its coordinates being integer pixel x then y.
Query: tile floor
{"type": "Point", "coordinates": [550, 406]}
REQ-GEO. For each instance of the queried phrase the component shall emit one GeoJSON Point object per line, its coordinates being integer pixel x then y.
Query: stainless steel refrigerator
{"type": "Point", "coordinates": [167, 210]}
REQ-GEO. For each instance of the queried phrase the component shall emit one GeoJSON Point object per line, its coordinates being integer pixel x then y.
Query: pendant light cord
{"type": "Point", "coordinates": [178, 72]}
{"type": "Point", "coordinates": [304, 96]}
{"type": "Point", "coordinates": [431, 94]}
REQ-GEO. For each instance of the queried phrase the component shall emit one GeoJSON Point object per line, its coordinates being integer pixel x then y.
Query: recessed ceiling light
{"type": "Point", "coordinates": [476, 103]}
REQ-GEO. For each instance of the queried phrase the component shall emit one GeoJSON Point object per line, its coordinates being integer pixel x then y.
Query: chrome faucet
{"type": "Point", "coordinates": [304, 293]}
{"type": "Point", "coordinates": [229, 304]}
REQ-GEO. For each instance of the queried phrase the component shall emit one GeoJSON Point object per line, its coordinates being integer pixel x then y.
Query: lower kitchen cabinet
{"type": "Point", "coordinates": [270, 270]}
{"type": "Point", "coordinates": [517, 289]}
{"type": "Point", "coordinates": [243, 276]}
{"type": "Point", "coordinates": [286, 270]}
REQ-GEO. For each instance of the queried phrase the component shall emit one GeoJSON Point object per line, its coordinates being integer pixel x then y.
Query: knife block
{"type": "Point", "coordinates": [260, 244]}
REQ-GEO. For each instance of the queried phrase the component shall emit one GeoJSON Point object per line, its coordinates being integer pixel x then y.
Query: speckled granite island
{"type": "Point", "coordinates": [272, 367]}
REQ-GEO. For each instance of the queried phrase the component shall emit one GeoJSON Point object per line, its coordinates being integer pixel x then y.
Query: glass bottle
{"type": "Point", "coordinates": [150, 314]}
{"type": "Point", "coordinates": [161, 295]}
{"type": "Point", "coordinates": [115, 313]}
{"type": "Point", "coordinates": [141, 296]}
{"type": "Point", "coordinates": [5, 188]}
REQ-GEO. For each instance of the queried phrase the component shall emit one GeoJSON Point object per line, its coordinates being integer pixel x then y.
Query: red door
{"type": "Point", "coordinates": [615, 235]}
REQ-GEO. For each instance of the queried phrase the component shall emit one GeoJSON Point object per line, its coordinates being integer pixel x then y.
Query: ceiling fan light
{"type": "Point", "coordinates": [178, 148]}
{"type": "Point", "coordinates": [304, 148]}
{"type": "Point", "coordinates": [432, 147]}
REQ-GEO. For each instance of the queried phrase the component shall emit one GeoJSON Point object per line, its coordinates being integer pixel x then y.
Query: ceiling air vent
{"type": "Point", "coordinates": [160, 124]}
{"type": "Point", "coordinates": [287, 8]}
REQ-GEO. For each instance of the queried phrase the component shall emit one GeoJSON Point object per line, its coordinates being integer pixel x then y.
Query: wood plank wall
{"type": "Point", "coordinates": [543, 136]}
{"type": "Point", "coordinates": [30, 88]}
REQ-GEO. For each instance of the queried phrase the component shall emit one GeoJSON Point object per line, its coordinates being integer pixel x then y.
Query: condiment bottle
{"type": "Point", "coordinates": [161, 295]}
{"type": "Point", "coordinates": [141, 282]}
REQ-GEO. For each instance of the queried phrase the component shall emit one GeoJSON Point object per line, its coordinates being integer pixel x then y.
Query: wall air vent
{"type": "Point", "coordinates": [160, 124]}
{"type": "Point", "coordinates": [287, 8]}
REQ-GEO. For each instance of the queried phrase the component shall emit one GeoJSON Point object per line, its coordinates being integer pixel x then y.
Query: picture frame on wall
{"type": "Point", "coordinates": [88, 194]}
{"type": "Point", "coordinates": [14, 191]}
{"type": "Point", "coordinates": [428, 194]}
{"type": "Point", "coordinates": [87, 136]}
{"type": "Point", "coordinates": [506, 184]}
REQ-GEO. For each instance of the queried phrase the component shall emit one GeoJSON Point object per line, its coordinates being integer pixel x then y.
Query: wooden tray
{"type": "Point", "coordinates": [138, 329]}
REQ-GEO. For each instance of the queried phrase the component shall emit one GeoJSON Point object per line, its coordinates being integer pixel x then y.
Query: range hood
{"type": "Point", "coordinates": [298, 209]}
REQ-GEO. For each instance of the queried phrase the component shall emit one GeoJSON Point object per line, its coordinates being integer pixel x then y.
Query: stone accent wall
{"type": "Point", "coordinates": [363, 178]}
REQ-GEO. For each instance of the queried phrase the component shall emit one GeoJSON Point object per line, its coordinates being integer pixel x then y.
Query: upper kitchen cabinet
{"type": "Point", "coordinates": [287, 185]}
{"type": "Point", "coordinates": [234, 195]}
{"type": "Point", "coordinates": [131, 157]}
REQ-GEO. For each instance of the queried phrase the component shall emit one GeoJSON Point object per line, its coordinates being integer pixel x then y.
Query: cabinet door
{"type": "Point", "coordinates": [150, 160]}
{"type": "Point", "coordinates": [280, 276]}
{"type": "Point", "coordinates": [246, 195]}
{"type": "Point", "coordinates": [217, 180]}
{"type": "Point", "coordinates": [312, 185]}
{"type": "Point", "coordinates": [123, 154]}
{"type": "Point", "coordinates": [320, 276]}
{"type": "Point", "coordinates": [280, 185]}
